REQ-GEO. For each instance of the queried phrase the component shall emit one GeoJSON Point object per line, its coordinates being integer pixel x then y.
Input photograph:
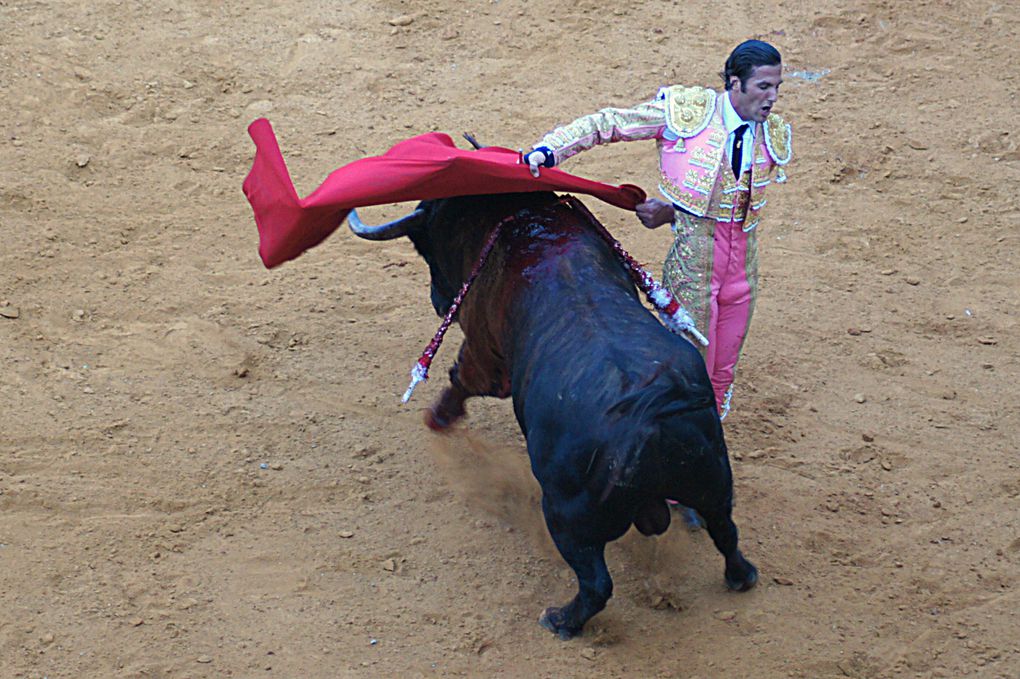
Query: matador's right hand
{"type": "Point", "coordinates": [540, 156]}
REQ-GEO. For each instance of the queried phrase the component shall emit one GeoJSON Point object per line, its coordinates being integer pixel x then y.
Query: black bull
{"type": "Point", "coordinates": [618, 412]}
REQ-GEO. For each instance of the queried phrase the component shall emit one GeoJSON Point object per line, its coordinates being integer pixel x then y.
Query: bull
{"type": "Point", "coordinates": [618, 412]}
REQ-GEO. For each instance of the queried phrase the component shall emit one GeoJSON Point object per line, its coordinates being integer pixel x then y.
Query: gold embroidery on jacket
{"type": "Point", "coordinates": [644, 121]}
{"type": "Point", "coordinates": [687, 271]}
{"type": "Point", "coordinates": [777, 139]}
{"type": "Point", "coordinates": [688, 109]}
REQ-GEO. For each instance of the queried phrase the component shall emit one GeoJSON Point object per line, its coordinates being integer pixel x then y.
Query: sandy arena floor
{"type": "Point", "coordinates": [152, 366]}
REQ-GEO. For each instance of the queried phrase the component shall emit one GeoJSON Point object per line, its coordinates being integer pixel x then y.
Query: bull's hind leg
{"type": "Point", "coordinates": [741, 575]}
{"type": "Point", "coordinates": [595, 586]}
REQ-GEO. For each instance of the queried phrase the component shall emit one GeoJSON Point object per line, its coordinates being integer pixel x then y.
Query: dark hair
{"type": "Point", "coordinates": [747, 56]}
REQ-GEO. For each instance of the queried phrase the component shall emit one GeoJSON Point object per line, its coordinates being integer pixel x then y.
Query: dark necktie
{"type": "Point", "coordinates": [738, 149]}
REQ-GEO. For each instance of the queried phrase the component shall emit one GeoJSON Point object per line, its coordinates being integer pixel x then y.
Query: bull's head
{"type": "Point", "coordinates": [420, 226]}
{"type": "Point", "coordinates": [448, 233]}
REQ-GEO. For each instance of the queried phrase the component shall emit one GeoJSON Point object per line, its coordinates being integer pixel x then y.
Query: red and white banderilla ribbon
{"type": "Point", "coordinates": [420, 371]}
{"type": "Point", "coordinates": [673, 315]}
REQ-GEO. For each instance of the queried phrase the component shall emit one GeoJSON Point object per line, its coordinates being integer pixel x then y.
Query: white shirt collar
{"type": "Point", "coordinates": [732, 119]}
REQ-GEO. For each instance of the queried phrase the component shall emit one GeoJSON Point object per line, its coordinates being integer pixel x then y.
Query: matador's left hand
{"type": "Point", "coordinates": [653, 213]}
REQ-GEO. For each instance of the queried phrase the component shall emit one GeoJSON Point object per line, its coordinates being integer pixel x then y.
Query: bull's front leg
{"type": "Point", "coordinates": [449, 407]}
{"type": "Point", "coordinates": [476, 373]}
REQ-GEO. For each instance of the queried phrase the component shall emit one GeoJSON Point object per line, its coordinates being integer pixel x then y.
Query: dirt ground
{"type": "Point", "coordinates": [205, 470]}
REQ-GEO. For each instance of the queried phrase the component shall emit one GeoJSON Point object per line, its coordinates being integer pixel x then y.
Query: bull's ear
{"type": "Point", "coordinates": [387, 231]}
{"type": "Point", "coordinates": [474, 142]}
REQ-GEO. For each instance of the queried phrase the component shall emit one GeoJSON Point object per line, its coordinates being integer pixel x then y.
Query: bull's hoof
{"type": "Point", "coordinates": [446, 410]}
{"type": "Point", "coordinates": [436, 422]}
{"type": "Point", "coordinates": [552, 620]}
{"type": "Point", "coordinates": [744, 579]}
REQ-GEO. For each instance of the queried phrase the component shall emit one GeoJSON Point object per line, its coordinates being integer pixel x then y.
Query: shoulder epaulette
{"type": "Point", "coordinates": [688, 109]}
{"type": "Point", "coordinates": [777, 139]}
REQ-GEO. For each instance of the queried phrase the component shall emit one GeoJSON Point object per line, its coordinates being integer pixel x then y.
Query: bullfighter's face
{"type": "Point", "coordinates": [753, 99]}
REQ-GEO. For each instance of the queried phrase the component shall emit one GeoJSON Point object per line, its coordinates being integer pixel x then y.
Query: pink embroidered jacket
{"type": "Point", "coordinates": [687, 124]}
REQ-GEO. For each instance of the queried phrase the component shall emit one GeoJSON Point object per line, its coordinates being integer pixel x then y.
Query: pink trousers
{"type": "Point", "coordinates": [712, 269]}
{"type": "Point", "coordinates": [731, 302]}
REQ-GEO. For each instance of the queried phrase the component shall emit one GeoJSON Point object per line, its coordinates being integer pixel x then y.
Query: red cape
{"type": "Point", "coordinates": [420, 168]}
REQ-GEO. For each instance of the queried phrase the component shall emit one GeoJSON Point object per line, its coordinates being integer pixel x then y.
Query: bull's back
{"type": "Point", "coordinates": [585, 346]}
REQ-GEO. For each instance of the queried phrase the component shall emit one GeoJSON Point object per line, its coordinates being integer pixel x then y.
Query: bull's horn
{"type": "Point", "coordinates": [387, 231]}
{"type": "Point", "coordinates": [474, 142]}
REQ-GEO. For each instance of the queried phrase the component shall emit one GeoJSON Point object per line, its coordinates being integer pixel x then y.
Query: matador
{"type": "Point", "coordinates": [718, 152]}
